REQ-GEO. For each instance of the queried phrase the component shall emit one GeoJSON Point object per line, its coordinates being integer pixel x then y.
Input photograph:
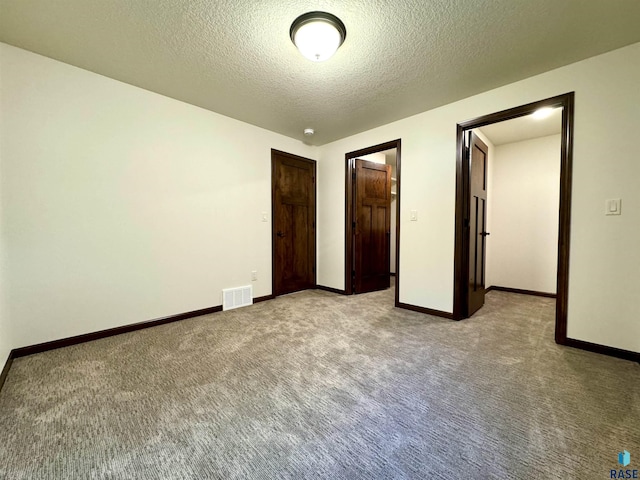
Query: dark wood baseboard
{"type": "Point", "coordinates": [263, 299]}
{"type": "Point", "coordinates": [428, 311]}
{"type": "Point", "coordinates": [87, 337]}
{"type": "Point", "coordinates": [43, 347]}
{"type": "Point", "coordinates": [520, 291]}
{"type": "Point", "coordinates": [329, 289]}
{"type": "Point", "coordinates": [5, 370]}
{"type": "Point", "coordinates": [602, 349]}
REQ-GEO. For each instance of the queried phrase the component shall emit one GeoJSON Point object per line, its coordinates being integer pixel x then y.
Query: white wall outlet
{"type": "Point", "coordinates": [414, 215]}
{"type": "Point", "coordinates": [613, 206]}
{"type": "Point", "coordinates": [254, 275]}
{"type": "Point", "coordinates": [265, 218]}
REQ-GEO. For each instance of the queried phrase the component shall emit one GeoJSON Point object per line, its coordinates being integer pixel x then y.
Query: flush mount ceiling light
{"type": "Point", "coordinates": [318, 35]}
{"type": "Point", "coordinates": [542, 113]}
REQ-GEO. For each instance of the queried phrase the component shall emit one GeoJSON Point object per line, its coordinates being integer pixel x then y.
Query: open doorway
{"type": "Point", "coordinates": [472, 211]}
{"type": "Point", "coordinates": [372, 213]}
{"type": "Point", "coordinates": [523, 203]}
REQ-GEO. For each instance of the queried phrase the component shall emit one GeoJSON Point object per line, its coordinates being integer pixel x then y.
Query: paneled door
{"type": "Point", "coordinates": [372, 229]}
{"type": "Point", "coordinates": [294, 222]}
{"type": "Point", "coordinates": [478, 153]}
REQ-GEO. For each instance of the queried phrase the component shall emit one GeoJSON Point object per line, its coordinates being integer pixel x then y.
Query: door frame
{"type": "Point", "coordinates": [461, 260]}
{"type": "Point", "coordinates": [349, 199]}
{"type": "Point", "coordinates": [275, 152]}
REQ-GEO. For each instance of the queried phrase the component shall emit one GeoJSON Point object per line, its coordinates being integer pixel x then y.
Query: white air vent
{"type": "Point", "coordinates": [237, 297]}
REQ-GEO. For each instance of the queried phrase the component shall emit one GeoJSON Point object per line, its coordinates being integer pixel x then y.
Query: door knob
{"type": "Point", "coordinates": [484, 234]}
{"type": "Point", "coordinates": [280, 234]}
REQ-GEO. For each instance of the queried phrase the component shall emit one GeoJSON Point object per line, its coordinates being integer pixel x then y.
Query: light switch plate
{"type": "Point", "coordinates": [613, 206]}
{"type": "Point", "coordinates": [414, 215]}
{"type": "Point", "coordinates": [264, 217]}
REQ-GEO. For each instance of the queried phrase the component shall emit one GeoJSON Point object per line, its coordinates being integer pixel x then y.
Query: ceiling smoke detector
{"type": "Point", "coordinates": [308, 132]}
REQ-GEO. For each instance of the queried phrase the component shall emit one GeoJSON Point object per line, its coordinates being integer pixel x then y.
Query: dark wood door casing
{"type": "Point", "coordinates": [349, 211]}
{"type": "Point", "coordinates": [293, 223]}
{"type": "Point", "coordinates": [477, 220]}
{"type": "Point", "coordinates": [372, 236]}
{"type": "Point", "coordinates": [461, 255]}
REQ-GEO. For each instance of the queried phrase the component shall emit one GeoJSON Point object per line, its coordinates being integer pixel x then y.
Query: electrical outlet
{"type": "Point", "coordinates": [254, 275]}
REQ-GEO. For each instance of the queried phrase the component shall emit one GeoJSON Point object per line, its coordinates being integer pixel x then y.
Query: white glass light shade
{"type": "Point", "coordinates": [317, 40]}
{"type": "Point", "coordinates": [317, 35]}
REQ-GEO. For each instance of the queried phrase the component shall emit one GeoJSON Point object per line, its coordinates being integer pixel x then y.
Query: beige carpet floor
{"type": "Point", "coordinates": [317, 385]}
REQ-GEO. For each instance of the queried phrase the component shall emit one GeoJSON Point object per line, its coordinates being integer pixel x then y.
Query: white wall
{"type": "Point", "coordinates": [374, 157]}
{"type": "Point", "coordinates": [523, 199]}
{"type": "Point", "coordinates": [392, 159]}
{"type": "Point", "coordinates": [6, 342]}
{"type": "Point", "coordinates": [121, 205]}
{"type": "Point", "coordinates": [392, 240]}
{"type": "Point", "coordinates": [603, 282]}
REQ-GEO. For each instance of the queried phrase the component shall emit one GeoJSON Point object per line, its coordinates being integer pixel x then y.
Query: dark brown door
{"type": "Point", "coordinates": [477, 221]}
{"type": "Point", "coordinates": [294, 220]}
{"type": "Point", "coordinates": [372, 234]}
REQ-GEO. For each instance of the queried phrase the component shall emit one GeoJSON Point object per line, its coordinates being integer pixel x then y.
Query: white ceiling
{"type": "Point", "coordinates": [400, 57]}
{"type": "Point", "coordinates": [523, 128]}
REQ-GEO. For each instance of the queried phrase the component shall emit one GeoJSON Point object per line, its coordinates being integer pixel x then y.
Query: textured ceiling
{"type": "Point", "coordinates": [400, 57]}
{"type": "Point", "coordinates": [523, 128]}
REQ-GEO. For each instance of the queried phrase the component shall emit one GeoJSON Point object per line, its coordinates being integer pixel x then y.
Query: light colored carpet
{"type": "Point", "coordinates": [317, 385]}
